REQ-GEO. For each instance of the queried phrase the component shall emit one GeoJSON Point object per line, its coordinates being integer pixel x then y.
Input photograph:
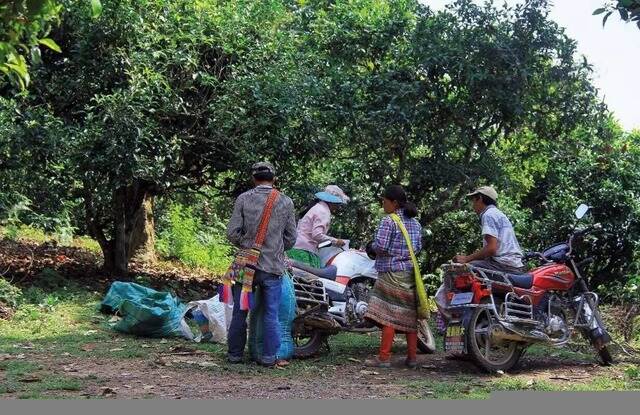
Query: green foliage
{"type": "Point", "coordinates": [187, 239]}
{"type": "Point", "coordinates": [632, 372]}
{"type": "Point", "coordinates": [24, 25]}
{"type": "Point", "coordinates": [166, 96]}
{"type": "Point", "coordinates": [10, 295]}
{"type": "Point", "coordinates": [629, 11]}
{"type": "Point", "coordinates": [10, 216]}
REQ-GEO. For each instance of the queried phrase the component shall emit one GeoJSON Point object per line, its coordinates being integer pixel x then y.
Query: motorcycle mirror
{"type": "Point", "coordinates": [581, 211]}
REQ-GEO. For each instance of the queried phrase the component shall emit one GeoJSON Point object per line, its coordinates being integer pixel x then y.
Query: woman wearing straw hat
{"type": "Point", "coordinates": [314, 225]}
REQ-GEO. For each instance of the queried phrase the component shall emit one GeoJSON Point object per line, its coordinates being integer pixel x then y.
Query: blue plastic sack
{"type": "Point", "coordinates": [286, 314]}
{"type": "Point", "coordinates": [145, 312]}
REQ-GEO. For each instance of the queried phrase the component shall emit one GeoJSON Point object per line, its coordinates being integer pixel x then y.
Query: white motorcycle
{"type": "Point", "coordinates": [334, 299]}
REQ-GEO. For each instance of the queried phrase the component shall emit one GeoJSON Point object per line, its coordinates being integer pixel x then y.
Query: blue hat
{"type": "Point", "coordinates": [333, 194]}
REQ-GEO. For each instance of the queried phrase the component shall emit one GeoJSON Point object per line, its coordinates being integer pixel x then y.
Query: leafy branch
{"type": "Point", "coordinates": [629, 11]}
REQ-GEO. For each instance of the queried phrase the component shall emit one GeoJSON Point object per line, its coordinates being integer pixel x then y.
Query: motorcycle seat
{"type": "Point", "coordinates": [521, 280]}
{"type": "Point", "coordinates": [328, 273]}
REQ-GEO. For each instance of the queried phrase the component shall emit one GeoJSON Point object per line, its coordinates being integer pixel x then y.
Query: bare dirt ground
{"type": "Point", "coordinates": [59, 348]}
{"type": "Point", "coordinates": [202, 375]}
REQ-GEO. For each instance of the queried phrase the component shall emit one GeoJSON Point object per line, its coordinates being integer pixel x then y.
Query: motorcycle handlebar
{"type": "Point", "coordinates": [532, 255]}
{"type": "Point", "coordinates": [588, 230]}
{"type": "Point", "coordinates": [584, 262]}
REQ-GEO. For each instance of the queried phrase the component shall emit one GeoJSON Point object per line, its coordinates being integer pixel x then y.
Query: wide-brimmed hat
{"type": "Point", "coordinates": [333, 194]}
{"type": "Point", "coordinates": [485, 190]}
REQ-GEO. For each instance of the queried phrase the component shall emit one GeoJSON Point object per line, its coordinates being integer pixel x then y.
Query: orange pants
{"type": "Point", "coordinates": [388, 333]}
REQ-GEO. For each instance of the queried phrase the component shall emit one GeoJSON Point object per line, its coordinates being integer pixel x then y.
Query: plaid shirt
{"type": "Point", "coordinates": [390, 247]}
{"type": "Point", "coordinates": [281, 233]}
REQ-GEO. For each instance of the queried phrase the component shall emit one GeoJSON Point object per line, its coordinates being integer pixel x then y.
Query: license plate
{"type": "Point", "coordinates": [454, 338]}
{"type": "Point", "coordinates": [462, 298]}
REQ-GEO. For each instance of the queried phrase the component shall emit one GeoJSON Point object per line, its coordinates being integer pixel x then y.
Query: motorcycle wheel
{"type": "Point", "coordinates": [489, 356]}
{"type": "Point", "coordinates": [426, 341]}
{"type": "Point", "coordinates": [307, 345]}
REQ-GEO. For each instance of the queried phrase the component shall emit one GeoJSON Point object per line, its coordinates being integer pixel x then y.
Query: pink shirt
{"type": "Point", "coordinates": [312, 228]}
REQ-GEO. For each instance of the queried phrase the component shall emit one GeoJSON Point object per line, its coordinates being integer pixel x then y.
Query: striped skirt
{"type": "Point", "coordinates": [393, 301]}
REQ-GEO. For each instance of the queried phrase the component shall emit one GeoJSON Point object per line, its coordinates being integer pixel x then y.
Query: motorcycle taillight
{"type": "Point", "coordinates": [462, 281]}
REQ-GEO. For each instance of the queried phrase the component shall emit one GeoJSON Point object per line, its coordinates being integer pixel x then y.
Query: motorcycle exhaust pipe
{"type": "Point", "coordinates": [505, 332]}
{"type": "Point", "coordinates": [499, 333]}
{"type": "Point", "coordinates": [322, 322]}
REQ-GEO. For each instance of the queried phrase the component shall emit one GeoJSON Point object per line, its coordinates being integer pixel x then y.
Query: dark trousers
{"type": "Point", "coordinates": [270, 286]}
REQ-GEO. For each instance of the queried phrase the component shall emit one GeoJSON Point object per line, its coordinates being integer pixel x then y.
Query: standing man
{"type": "Point", "coordinates": [500, 248]}
{"type": "Point", "coordinates": [280, 236]}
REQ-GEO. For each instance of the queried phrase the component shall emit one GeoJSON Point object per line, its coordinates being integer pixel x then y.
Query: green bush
{"type": "Point", "coordinates": [10, 295]}
{"type": "Point", "coordinates": [185, 238]}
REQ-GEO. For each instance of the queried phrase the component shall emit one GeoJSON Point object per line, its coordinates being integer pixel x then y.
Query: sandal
{"type": "Point", "coordinates": [376, 362]}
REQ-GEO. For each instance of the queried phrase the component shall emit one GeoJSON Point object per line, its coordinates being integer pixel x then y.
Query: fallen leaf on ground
{"type": "Point", "coordinates": [90, 332]}
{"type": "Point", "coordinates": [89, 347]}
{"type": "Point", "coordinates": [162, 362]}
{"type": "Point", "coordinates": [24, 346]}
{"type": "Point", "coordinates": [147, 387]}
{"type": "Point", "coordinates": [181, 350]}
{"type": "Point", "coordinates": [368, 372]}
{"type": "Point", "coordinates": [145, 346]}
{"type": "Point", "coordinates": [500, 373]}
{"type": "Point", "coordinates": [117, 349]}
{"type": "Point", "coordinates": [208, 364]}
{"type": "Point", "coordinates": [351, 359]}
{"type": "Point", "coordinates": [30, 379]}
{"type": "Point", "coordinates": [69, 369]}
{"type": "Point", "coordinates": [107, 392]}
{"type": "Point", "coordinates": [428, 366]}
{"type": "Point", "coordinates": [20, 356]}
{"type": "Point", "coordinates": [165, 377]}
{"type": "Point", "coordinates": [163, 341]}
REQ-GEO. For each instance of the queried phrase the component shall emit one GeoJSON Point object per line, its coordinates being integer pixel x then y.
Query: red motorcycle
{"type": "Point", "coordinates": [492, 317]}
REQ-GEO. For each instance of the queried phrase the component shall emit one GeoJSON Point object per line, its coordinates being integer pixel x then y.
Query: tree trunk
{"type": "Point", "coordinates": [142, 240]}
{"type": "Point", "coordinates": [120, 252]}
{"type": "Point", "coordinates": [131, 214]}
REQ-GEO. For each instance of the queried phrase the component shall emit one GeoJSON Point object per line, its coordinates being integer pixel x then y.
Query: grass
{"type": "Point", "coordinates": [563, 353]}
{"type": "Point", "coordinates": [35, 235]}
{"type": "Point", "coordinates": [471, 388]}
{"type": "Point", "coordinates": [31, 381]}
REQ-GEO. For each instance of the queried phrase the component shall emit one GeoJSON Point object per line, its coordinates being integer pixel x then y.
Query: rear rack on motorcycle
{"type": "Point", "coordinates": [309, 291]}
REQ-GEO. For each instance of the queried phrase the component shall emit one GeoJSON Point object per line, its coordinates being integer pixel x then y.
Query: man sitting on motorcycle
{"type": "Point", "coordinates": [501, 250]}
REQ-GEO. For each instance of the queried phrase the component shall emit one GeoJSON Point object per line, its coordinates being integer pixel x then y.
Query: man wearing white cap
{"type": "Point", "coordinates": [313, 227]}
{"type": "Point", "coordinates": [501, 250]}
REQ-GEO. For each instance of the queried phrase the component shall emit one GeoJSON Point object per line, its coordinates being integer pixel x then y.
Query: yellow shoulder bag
{"type": "Point", "coordinates": [423, 302]}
